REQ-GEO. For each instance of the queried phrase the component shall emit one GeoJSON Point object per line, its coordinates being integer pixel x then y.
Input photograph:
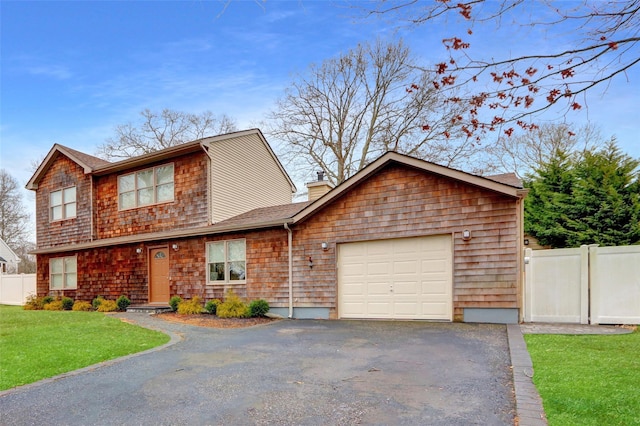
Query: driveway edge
{"type": "Point", "coordinates": [529, 407]}
{"type": "Point", "coordinates": [173, 339]}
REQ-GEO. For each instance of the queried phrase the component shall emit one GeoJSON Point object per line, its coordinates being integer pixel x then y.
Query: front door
{"type": "Point", "coordinates": [159, 275]}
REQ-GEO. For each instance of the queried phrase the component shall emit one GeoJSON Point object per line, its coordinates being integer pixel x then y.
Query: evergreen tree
{"type": "Point", "coordinates": [549, 199]}
{"type": "Point", "coordinates": [606, 206]}
{"type": "Point", "coordinates": [593, 199]}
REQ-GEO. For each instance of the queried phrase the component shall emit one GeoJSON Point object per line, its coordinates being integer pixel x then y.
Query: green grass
{"type": "Point", "coordinates": [588, 379]}
{"type": "Point", "coordinates": [38, 344]}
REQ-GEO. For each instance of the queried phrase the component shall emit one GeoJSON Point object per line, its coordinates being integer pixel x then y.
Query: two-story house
{"type": "Point", "coordinates": [403, 238]}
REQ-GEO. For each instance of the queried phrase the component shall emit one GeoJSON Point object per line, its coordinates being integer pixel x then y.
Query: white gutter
{"type": "Point", "coordinates": [290, 242]}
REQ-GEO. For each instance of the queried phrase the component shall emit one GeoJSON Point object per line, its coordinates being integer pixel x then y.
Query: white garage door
{"type": "Point", "coordinates": [407, 278]}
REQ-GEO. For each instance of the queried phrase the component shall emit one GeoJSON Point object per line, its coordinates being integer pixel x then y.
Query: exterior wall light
{"type": "Point", "coordinates": [325, 246]}
{"type": "Point", "coordinates": [466, 235]}
{"type": "Point", "coordinates": [175, 247]}
{"type": "Point", "coordinates": [138, 250]}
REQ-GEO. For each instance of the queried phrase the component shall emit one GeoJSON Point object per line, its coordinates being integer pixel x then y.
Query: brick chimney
{"type": "Point", "coordinates": [319, 187]}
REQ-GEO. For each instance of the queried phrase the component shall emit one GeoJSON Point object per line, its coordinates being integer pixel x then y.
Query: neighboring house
{"type": "Point", "coordinates": [8, 259]}
{"type": "Point", "coordinates": [402, 239]}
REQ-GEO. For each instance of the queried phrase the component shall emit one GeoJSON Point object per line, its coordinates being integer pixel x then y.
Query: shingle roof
{"type": "Point", "coordinates": [89, 160]}
{"type": "Point", "coordinates": [510, 179]}
{"type": "Point", "coordinates": [265, 214]}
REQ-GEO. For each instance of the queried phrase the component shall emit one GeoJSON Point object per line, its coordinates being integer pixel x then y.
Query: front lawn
{"type": "Point", "coordinates": [588, 379]}
{"type": "Point", "coordinates": [38, 344]}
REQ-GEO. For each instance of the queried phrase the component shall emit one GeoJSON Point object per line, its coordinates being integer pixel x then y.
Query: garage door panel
{"type": "Point", "coordinates": [381, 308]}
{"type": "Point", "coordinates": [435, 287]}
{"type": "Point", "coordinates": [355, 289]}
{"type": "Point", "coordinates": [405, 267]}
{"type": "Point", "coordinates": [399, 278]}
{"type": "Point", "coordinates": [402, 288]}
{"type": "Point", "coordinates": [378, 288]}
{"type": "Point", "coordinates": [436, 309]}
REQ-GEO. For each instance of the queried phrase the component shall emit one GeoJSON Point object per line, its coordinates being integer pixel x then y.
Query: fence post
{"type": "Point", "coordinates": [584, 284]}
{"type": "Point", "coordinates": [528, 284]}
{"type": "Point", "coordinates": [594, 296]}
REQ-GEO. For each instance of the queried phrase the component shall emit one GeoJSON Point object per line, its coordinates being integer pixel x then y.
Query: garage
{"type": "Point", "coordinates": [404, 278]}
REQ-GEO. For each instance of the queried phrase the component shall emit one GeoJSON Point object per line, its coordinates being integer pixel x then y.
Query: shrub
{"type": "Point", "coordinates": [258, 308]}
{"type": "Point", "coordinates": [174, 302]}
{"type": "Point", "coordinates": [35, 303]}
{"type": "Point", "coordinates": [212, 306]}
{"type": "Point", "coordinates": [233, 307]}
{"type": "Point", "coordinates": [56, 305]}
{"type": "Point", "coordinates": [107, 306]}
{"type": "Point", "coordinates": [193, 306]}
{"type": "Point", "coordinates": [123, 302]}
{"type": "Point", "coordinates": [67, 303]}
{"type": "Point", "coordinates": [96, 302]}
{"type": "Point", "coordinates": [81, 305]}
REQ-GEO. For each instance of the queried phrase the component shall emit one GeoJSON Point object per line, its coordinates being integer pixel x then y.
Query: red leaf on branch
{"type": "Point", "coordinates": [455, 43]}
{"type": "Point", "coordinates": [426, 127]}
{"type": "Point", "coordinates": [576, 105]}
{"type": "Point", "coordinates": [531, 71]}
{"type": "Point", "coordinates": [567, 73]}
{"type": "Point", "coordinates": [571, 133]}
{"type": "Point", "coordinates": [613, 45]}
{"type": "Point", "coordinates": [442, 67]}
{"type": "Point", "coordinates": [465, 10]}
{"type": "Point", "coordinates": [509, 131]}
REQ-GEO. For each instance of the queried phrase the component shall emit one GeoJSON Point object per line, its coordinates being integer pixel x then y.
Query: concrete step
{"type": "Point", "coordinates": [149, 309]}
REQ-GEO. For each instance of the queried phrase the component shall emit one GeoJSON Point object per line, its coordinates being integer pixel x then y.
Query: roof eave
{"type": "Point", "coordinates": [389, 157]}
{"type": "Point", "coordinates": [32, 184]}
{"type": "Point", "coordinates": [165, 235]}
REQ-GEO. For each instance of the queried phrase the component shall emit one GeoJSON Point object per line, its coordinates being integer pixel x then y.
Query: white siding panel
{"type": "Point", "coordinates": [244, 176]}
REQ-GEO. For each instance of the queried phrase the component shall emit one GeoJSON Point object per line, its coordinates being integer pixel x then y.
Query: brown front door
{"type": "Point", "coordinates": [159, 275]}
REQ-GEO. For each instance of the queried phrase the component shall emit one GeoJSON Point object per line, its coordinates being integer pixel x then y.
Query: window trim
{"type": "Point", "coordinates": [62, 204]}
{"type": "Point", "coordinates": [154, 187]}
{"type": "Point", "coordinates": [227, 271]}
{"type": "Point", "coordinates": [64, 273]}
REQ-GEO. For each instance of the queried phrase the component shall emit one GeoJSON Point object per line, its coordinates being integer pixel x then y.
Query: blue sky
{"type": "Point", "coordinates": [71, 71]}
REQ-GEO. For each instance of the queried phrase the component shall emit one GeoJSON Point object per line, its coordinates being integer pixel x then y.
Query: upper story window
{"type": "Point", "coordinates": [62, 204]}
{"type": "Point", "coordinates": [227, 261]}
{"type": "Point", "coordinates": [63, 273]}
{"type": "Point", "coordinates": [145, 187]}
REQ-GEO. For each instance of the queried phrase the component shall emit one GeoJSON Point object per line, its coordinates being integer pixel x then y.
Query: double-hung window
{"type": "Point", "coordinates": [62, 204]}
{"type": "Point", "coordinates": [63, 273]}
{"type": "Point", "coordinates": [146, 187]}
{"type": "Point", "coordinates": [226, 261]}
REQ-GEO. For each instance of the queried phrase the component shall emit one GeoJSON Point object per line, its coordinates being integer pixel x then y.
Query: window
{"type": "Point", "coordinates": [63, 273]}
{"type": "Point", "coordinates": [150, 186]}
{"type": "Point", "coordinates": [227, 261]}
{"type": "Point", "coordinates": [62, 204]}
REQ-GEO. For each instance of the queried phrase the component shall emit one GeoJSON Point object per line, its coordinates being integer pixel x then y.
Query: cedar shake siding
{"type": "Point", "coordinates": [114, 271]}
{"type": "Point", "coordinates": [401, 202]}
{"type": "Point", "coordinates": [64, 173]}
{"type": "Point", "coordinates": [187, 210]}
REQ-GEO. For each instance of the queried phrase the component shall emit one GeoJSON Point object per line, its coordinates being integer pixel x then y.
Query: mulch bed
{"type": "Point", "coordinates": [212, 321]}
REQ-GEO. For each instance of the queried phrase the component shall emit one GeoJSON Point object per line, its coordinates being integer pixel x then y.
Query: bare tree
{"type": "Point", "coordinates": [156, 131]}
{"type": "Point", "coordinates": [529, 151]}
{"type": "Point", "coordinates": [506, 93]}
{"type": "Point", "coordinates": [367, 101]}
{"type": "Point", "coordinates": [14, 219]}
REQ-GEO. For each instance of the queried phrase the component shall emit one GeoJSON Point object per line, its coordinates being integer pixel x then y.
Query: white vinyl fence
{"type": "Point", "coordinates": [14, 289]}
{"type": "Point", "coordinates": [590, 284]}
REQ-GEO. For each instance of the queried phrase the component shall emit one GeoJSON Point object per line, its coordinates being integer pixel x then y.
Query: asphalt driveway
{"type": "Point", "coordinates": [296, 372]}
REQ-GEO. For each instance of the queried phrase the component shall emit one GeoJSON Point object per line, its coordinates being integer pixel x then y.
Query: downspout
{"type": "Point", "coordinates": [289, 245]}
{"type": "Point", "coordinates": [91, 224]}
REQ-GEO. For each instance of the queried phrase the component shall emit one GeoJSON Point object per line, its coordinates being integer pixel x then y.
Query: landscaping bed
{"type": "Point", "coordinates": [205, 320]}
